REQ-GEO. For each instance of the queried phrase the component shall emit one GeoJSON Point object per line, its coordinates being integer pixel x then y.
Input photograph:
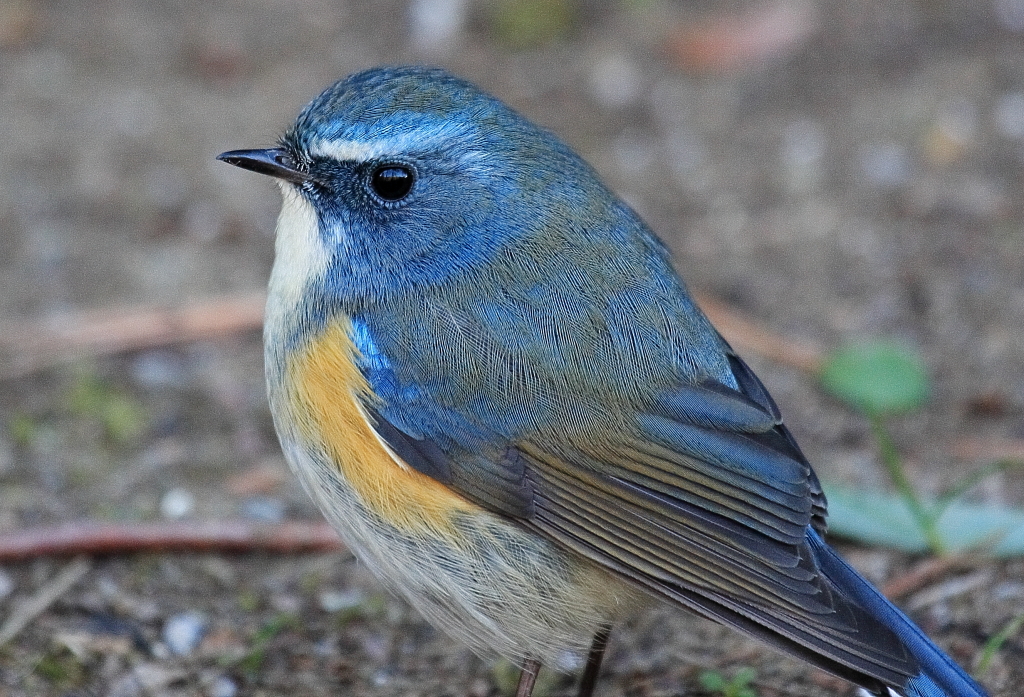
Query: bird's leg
{"type": "Point", "coordinates": [594, 658]}
{"type": "Point", "coordinates": [527, 677]}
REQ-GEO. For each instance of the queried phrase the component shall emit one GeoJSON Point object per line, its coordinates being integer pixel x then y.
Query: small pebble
{"type": "Point", "coordinates": [885, 164]}
{"type": "Point", "coordinates": [336, 601]}
{"type": "Point", "coordinates": [177, 503]}
{"type": "Point", "coordinates": [615, 80]}
{"type": "Point", "coordinates": [263, 508]}
{"type": "Point", "coordinates": [183, 632]}
{"type": "Point", "coordinates": [283, 602]}
{"type": "Point", "coordinates": [569, 662]}
{"type": "Point", "coordinates": [435, 25]}
{"type": "Point", "coordinates": [326, 647]}
{"type": "Point", "coordinates": [1009, 115]}
{"type": "Point", "coordinates": [382, 677]}
{"type": "Point", "coordinates": [6, 584]}
{"type": "Point", "coordinates": [223, 686]}
{"type": "Point", "coordinates": [479, 688]}
{"type": "Point", "coordinates": [1008, 590]}
{"type": "Point", "coordinates": [159, 368]}
{"type": "Point", "coordinates": [803, 143]}
{"type": "Point", "coordinates": [125, 686]}
{"type": "Point", "coordinates": [166, 452]}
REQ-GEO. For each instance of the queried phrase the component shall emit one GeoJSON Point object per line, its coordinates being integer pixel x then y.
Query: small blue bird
{"type": "Point", "coordinates": [483, 367]}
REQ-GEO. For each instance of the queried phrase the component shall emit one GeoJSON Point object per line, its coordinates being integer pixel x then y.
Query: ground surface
{"type": "Point", "coordinates": [866, 180]}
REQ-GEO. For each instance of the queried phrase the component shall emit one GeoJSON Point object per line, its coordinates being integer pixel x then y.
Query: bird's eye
{"type": "Point", "coordinates": [392, 182]}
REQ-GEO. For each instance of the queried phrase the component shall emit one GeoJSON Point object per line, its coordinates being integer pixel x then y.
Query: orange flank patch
{"type": "Point", "coordinates": [327, 392]}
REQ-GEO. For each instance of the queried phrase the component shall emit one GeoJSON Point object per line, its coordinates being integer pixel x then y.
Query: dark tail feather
{"type": "Point", "coordinates": [939, 676]}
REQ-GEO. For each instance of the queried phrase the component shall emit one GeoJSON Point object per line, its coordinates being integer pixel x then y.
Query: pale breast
{"type": "Point", "coordinates": [483, 579]}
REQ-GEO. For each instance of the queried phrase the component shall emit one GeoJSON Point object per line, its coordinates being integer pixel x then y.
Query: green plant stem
{"type": "Point", "coordinates": [993, 645]}
{"type": "Point", "coordinates": [926, 519]}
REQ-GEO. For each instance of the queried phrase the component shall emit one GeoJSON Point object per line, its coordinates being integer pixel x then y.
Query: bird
{"type": "Point", "coordinates": [484, 368]}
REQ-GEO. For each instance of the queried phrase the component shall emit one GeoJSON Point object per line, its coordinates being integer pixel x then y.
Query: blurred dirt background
{"type": "Point", "coordinates": [836, 170]}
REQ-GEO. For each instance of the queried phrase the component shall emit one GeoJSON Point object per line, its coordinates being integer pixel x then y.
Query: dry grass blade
{"type": "Point", "coordinates": [50, 591]}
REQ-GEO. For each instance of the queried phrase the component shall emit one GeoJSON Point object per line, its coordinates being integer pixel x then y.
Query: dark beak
{"type": "Point", "coordinates": [274, 162]}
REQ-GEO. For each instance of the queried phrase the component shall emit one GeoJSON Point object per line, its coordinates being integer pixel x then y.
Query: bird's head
{"type": "Point", "coordinates": [395, 178]}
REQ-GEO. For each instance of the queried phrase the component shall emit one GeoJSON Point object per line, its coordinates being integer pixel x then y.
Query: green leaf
{"type": "Point", "coordinates": [880, 378]}
{"type": "Point", "coordinates": [880, 518]}
{"type": "Point", "coordinates": [744, 676]}
{"type": "Point", "coordinates": [712, 680]}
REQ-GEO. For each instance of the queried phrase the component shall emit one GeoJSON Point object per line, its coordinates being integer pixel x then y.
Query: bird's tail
{"type": "Point", "coordinates": [939, 676]}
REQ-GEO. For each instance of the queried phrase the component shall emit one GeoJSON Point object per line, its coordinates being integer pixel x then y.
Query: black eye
{"type": "Point", "coordinates": [392, 182]}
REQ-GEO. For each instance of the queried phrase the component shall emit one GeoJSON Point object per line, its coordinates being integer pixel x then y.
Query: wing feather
{"type": "Point", "coordinates": [700, 495]}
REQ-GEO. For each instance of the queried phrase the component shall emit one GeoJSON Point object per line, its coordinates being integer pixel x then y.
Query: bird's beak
{"type": "Point", "coordinates": [274, 162]}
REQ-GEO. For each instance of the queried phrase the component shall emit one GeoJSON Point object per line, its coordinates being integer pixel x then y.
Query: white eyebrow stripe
{"type": "Point", "coordinates": [346, 150]}
{"type": "Point", "coordinates": [399, 146]}
{"type": "Point", "coordinates": [343, 149]}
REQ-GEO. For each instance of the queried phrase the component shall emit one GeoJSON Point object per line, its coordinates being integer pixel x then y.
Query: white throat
{"type": "Point", "coordinates": [299, 255]}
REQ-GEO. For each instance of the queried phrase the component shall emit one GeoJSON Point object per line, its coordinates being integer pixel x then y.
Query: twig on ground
{"type": "Point", "coordinates": [31, 608]}
{"type": "Point", "coordinates": [87, 537]}
{"type": "Point", "coordinates": [33, 346]}
{"type": "Point", "coordinates": [30, 347]}
{"type": "Point", "coordinates": [924, 573]}
{"type": "Point", "coordinates": [988, 449]}
{"type": "Point", "coordinates": [747, 336]}
{"type": "Point", "coordinates": [762, 34]}
{"type": "Point", "coordinates": [949, 588]}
